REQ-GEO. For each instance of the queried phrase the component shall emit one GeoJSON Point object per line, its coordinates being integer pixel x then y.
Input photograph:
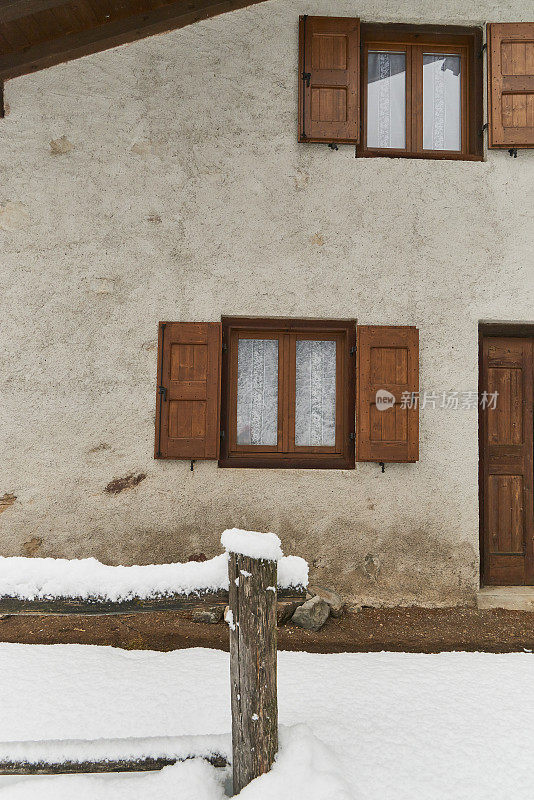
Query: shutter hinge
{"type": "Point", "coordinates": [484, 47]}
{"type": "Point", "coordinates": [353, 350]}
{"type": "Point", "coordinates": [352, 436]}
{"type": "Point", "coordinates": [224, 347]}
{"type": "Point", "coordinates": [223, 434]}
{"type": "Point", "coordinates": [333, 146]}
{"type": "Point", "coordinates": [163, 391]}
{"type": "Point", "coordinates": [484, 128]}
{"type": "Point", "coordinates": [306, 76]}
{"type": "Point", "coordinates": [513, 152]}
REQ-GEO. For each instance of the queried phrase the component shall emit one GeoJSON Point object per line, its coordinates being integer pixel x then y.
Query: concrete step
{"type": "Point", "coordinates": [513, 598]}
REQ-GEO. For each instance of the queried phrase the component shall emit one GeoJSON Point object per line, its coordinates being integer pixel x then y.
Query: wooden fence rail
{"type": "Point", "coordinates": [95, 605]}
{"type": "Point", "coordinates": [252, 621]}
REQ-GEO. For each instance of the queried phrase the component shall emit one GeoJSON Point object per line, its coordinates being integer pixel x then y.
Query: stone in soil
{"type": "Point", "coordinates": [312, 614]}
{"type": "Point", "coordinates": [329, 596]}
{"type": "Point", "coordinates": [213, 614]}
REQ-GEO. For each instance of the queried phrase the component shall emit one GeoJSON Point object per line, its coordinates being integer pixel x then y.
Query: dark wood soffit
{"type": "Point", "coordinates": [120, 27]}
{"type": "Point", "coordinates": [17, 9]}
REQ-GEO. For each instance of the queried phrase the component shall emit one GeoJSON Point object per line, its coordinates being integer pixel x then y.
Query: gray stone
{"type": "Point", "coordinates": [213, 614]}
{"type": "Point", "coordinates": [333, 599]}
{"type": "Point", "coordinates": [312, 614]}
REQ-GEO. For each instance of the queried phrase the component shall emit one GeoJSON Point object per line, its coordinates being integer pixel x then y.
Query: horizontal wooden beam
{"type": "Point", "coordinates": [114, 33]}
{"type": "Point", "coordinates": [17, 9]}
{"type": "Point", "coordinates": [76, 767]}
{"type": "Point", "coordinates": [91, 606]}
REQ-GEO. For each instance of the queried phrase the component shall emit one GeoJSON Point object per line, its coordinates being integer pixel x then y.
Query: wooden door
{"type": "Point", "coordinates": [506, 453]}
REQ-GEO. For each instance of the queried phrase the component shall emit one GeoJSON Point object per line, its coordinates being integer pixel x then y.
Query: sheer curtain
{"type": "Point", "coordinates": [315, 407]}
{"type": "Point", "coordinates": [441, 102]}
{"type": "Point", "coordinates": [386, 100]}
{"type": "Point", "coordinates": [257, 391]}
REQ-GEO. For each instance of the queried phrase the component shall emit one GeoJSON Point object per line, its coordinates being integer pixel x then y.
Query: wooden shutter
{"type": "Point", "coordinates": [329, 79]}
{"type": "Point", "coordinates": [511, 84]}
{"type": "Point", "coordinates": [388, 360]}
{"type": "Point", "coordinates": [188, 397]}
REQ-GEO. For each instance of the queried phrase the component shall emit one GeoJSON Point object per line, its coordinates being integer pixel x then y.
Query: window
{"type": "Point", "coordinates": [288, 393]}
{"type": "Point", "coordinates": [419, 98]}
{"type": "Point", "coordinates": [282, 393]}
{"type": "Point", "coordinates": [393, 90]}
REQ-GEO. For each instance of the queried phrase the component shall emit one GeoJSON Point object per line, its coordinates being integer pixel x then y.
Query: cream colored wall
{"type": "Point", "coordinates": [179, 192]}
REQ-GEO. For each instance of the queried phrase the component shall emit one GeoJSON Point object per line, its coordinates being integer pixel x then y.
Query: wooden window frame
{"type": "Point", "coordinates": [414, 40]}
{"type": "Point", "coordinates": [285, 454]}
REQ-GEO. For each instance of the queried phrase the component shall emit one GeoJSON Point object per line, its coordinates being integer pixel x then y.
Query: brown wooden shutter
{"type": "Point", "coordinates": [511, 84]}
{"type": "Point", "coordinates": [329, 79]}
{"type": "Point", "coordinates": [388, 359]}
{"type": "Point", "coordinates": [188, 398]}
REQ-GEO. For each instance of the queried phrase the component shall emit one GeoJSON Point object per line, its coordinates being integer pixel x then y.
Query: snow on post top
{"type": "Point", "coordinates": [253, 544]}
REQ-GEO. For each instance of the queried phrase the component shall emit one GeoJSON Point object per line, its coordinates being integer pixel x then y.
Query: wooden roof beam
{"type": "Point", "coordinates": [17, 9]}
{"type": "Point", "coordinates": [113, 33]}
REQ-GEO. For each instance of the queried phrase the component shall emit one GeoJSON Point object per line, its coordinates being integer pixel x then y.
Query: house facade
{"type": "Point", "coordinates": [211, 263]}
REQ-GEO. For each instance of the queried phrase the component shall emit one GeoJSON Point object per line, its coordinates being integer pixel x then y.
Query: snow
{"type": "Point", "coordinates": [292, 571]}
{"type": "Point", "coordinates": [251, 543]}
{"type": "Point", "coordinates": [57, 751]}
{"type": "Point", "coordinates": [229, 618]}
{"type": "Point", "coordinates": [44, 578]}
{"type": "Point", "coordinates": [303, 763]}
{"type": "Point", "coordinates": [362, 726]}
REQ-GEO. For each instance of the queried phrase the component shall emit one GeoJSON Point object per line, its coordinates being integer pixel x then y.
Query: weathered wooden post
{"type": "Point", "coordinates": [252, 570]}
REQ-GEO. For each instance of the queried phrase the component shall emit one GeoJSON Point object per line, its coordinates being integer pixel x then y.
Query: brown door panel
{"type": "Point", "coordinates": [506, 461]}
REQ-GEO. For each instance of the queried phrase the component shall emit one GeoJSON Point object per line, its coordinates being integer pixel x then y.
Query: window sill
{"type": "Point", "coordinates": [437, 156]}
{"type": "Point", "coordinates": [291, 462]}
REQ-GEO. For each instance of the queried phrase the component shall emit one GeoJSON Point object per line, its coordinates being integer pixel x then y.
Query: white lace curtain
{"type": "Point", "coordinates": [441, 102]}
{"type": "Point", "coordinates": [315, 410]}
{"type": "Point", "coordinates": [257, 391]}
{"type": "Point", "coordinates": [386, 101]}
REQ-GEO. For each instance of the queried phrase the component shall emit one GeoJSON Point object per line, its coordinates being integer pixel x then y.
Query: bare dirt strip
{"type": "Point", "coordinates": [416, 630]}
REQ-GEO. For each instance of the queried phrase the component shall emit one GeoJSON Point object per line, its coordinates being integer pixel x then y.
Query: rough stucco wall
{"type": "Point", "coordinates": [180, 192]}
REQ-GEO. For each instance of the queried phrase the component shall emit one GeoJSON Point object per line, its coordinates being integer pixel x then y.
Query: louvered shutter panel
{"type": "Point", "coordinates": [329, 79]}
{"type": "Point", "coordinates": [188, 398]}
{"type": "Point", "coordinates": [511, 84]}
{"type": "Point", "coordinates": [388, 361]}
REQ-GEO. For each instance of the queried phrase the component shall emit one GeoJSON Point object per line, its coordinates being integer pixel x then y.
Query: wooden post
{"type": "Point", "coordinates": [252, 622]}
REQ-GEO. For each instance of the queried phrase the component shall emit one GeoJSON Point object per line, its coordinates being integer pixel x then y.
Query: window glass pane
{"type": "Point", "coordinates": [442, 95]}
{"type": "Point", "coordinates": [386, 100]}
{"type": "Point", "coordinates": [315, 408]}
{"type": "Point", "coordinates": [257, 391]}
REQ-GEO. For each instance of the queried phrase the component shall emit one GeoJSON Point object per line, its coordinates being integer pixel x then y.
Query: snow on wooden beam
{"type": "Point", "coordinates": [86, 586]}
{"type": "Point", "coordinates": [74, 767]}
{"type": "Point", "coordinates": [63, 757]}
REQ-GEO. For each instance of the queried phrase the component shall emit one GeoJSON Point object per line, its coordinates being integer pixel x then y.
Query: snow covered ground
{"type": "Point", "coordinates": [370, 726]}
